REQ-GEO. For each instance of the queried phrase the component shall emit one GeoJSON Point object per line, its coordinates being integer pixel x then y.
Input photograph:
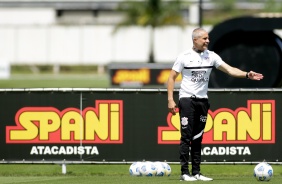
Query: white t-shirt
{"type": "Point", "coordinates": [196, 69]}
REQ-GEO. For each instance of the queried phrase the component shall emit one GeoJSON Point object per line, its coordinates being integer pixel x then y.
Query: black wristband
{"type": "Point", "coordinates": [247, 75]}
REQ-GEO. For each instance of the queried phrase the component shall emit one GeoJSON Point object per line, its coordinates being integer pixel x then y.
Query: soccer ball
{"type": "Point", "coordinates": [167, 169]}
{"type": "Point", "coordinates": [161, 168]}
{"type": "Point", "coordinates": [148, 169]}
{"type": "Point", "coordinates": [263, 172]}
{"type": "Point", "coordinates": [134, 169]}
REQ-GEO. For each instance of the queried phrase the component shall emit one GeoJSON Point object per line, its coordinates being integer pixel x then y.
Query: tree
{"type": "Point", "coordinates": [153, 13]}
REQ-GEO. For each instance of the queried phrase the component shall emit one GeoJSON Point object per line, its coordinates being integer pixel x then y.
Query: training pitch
{"type": "Point", "coordinates": [119, 174]}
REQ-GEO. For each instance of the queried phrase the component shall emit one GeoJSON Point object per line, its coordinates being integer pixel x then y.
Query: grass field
{"type": "Point", "coordinates": [72, 80]}
{"type": "Point", "coordinates": [56, 81]}
{"type": "Point", "coordinates": [119, 174]}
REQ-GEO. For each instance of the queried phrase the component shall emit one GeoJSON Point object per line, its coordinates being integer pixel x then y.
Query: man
{"type": "Point", "coordinates": [195, 65]}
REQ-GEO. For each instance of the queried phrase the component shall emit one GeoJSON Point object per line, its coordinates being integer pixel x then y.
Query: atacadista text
{"type": "Point", "coordinates": [64, 150]}
{"type": "Point", "coordinates": [233, 150]}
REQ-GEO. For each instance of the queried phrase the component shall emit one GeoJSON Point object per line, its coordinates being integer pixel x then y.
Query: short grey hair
{"type": "Point", "coordinates": [197, 32]}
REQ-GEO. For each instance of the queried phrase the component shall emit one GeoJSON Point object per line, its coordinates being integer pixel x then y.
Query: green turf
{"type": "Point", "coordinates": [119, 174]}
{"type": "Point", "coordinates": [62, 81]}
{"type": "Point", "coordinates": [56, 81]}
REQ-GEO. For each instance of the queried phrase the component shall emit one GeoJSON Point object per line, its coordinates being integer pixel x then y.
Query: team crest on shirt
{"type": "Point", "coordinates": [184, 121]}
{"type": "Point", "coordinates": [203, 118]}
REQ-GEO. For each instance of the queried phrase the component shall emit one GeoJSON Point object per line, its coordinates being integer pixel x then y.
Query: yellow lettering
{"type": "Point", "coordinates": [254, 124]}
{"type": "Point", "coordinates": [141, 75]}
{"type": "Point", "coordinates": [30, 130]}
{"type": "Point", "coordinates": [48, 122]}
{"type": "Point", "coordinates": [209, 123]}
{"type": "Point", "coordinates": [224, 122]}
{"type": "Point", "coordinates": [72, 122]}
{"type": "Point", "coordinates": [249, 125]}
{"type": "Point", "coordinates": [97, 124]}
{"type": "Point", "coordinates": [173, 134]}
{"type": "Point", "coordinates": [164, 74]}
{"type": "Point", "coordinates": [266, 127]}
{"type": "Point", "coordinates": [114, 115]}
{"type": "Point", "coordinates": [103, 124]}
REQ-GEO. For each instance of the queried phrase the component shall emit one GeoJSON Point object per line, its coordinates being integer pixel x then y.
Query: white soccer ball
{"type": "Point", "coordinates": [148, 169]}
{"type": "Point", "coordinates": [134, 169]}
{"type": "Point", "coordinates": [161, 168]}
{"type": "Point", "coordinates": [167, 169]}
{"type": "Point", "coordinates": [263, 171]}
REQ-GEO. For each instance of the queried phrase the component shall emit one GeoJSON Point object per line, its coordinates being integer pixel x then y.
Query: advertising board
{"type": "Point", "coordinates": [134, 124]}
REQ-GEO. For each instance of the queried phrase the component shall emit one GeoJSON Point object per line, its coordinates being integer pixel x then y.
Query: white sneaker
{"type": "Point", "coordinates": [186, 177]}
{"type": "Point", "coordinates": [202, 178]}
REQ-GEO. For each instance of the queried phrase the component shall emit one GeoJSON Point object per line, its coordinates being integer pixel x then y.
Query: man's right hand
{"type": "Point", "coordinates": [172, 107]}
